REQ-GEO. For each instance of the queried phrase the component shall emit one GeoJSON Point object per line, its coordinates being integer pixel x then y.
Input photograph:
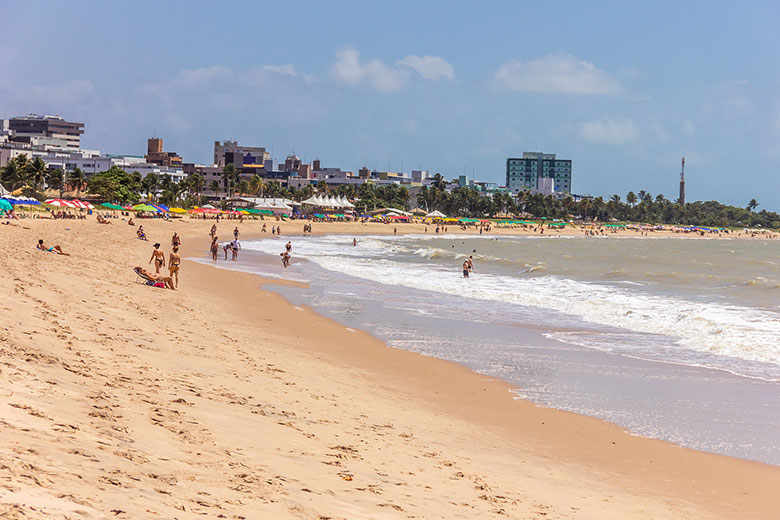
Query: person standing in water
{"type": "Point", "coordinates": [158, 257]}
{"type": "Point", "coordinates": [354, 242]}
{"type": "Point", "coordinates": [470, 261]}
{"type": "Point", "coordinates": [214, 248]}
{"type": "Point", "coordinates": [466, 268]}
{"type": "Point", "coordinates": [288, 247]}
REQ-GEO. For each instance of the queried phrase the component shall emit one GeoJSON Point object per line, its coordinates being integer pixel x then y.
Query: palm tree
{"type": "Point", "coordinates": [37, 173]}
{"type": "Point", "coordinates": [56, 180]}
{"type": "Point", "coordinates": [256, 185]}
{"type": "Point", "coordinates": [752, 205]}
{"type": "Point", "coordinates": [151, 183]}
{"type": "Point", "coordinates": [243, 187]}
{"type": "Point", "coordinates": [229, 178]}
{"type": "Point", "coordinates": [14, 175]}
{"type": "Point", "coordinates": [196, 183]}
{"type": "Point", "coordinates": [76, 178]}
{"type": "Point", "coordinates": [214, 186]}
{"type": "Point", "coordinates": [631, 198]}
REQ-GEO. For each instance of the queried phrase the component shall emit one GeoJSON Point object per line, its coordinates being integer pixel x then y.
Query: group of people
{"type": "Point", "coordinates": [286, 254]}
{"type": "Point", "coordinates": [174, 262]}
{"type": "Point", "coordinates": [231, 247]}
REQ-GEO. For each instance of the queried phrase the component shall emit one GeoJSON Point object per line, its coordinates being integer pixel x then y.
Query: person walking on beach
{"type": "Point", "coordinates": [174, 260]}
{"type": "Point", "coordinates": [235, 245]}
{"type": "Point", "coordinates": [175, 240]}
{"type": "Point", "coordinates": [263, 230]}
{"type": "Point", "coordinates": [273, 230]}
{"type": "Point", "coordinates": [395, 231]}
{"type": "Point", "coordinates": [278, 231]}
{"type": "Point", "coordinates": [214, 248]}
{"type": "Point", "coordinates": [158, 257]}
{"type": "Point", "coordinates": [213, 230]}
{"type": "Point", "coordinates": [235, 233]}
{"type": "Point", "coordinates": [227, 247]}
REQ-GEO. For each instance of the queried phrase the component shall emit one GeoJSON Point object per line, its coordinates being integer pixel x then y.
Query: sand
{"type": "Point", "coordinates": [221, 400]}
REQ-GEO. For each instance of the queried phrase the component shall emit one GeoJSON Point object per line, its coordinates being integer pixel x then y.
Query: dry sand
{"type": "Point", "coordinates": [221, 400]}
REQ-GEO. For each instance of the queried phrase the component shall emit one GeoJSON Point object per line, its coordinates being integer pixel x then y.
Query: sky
{"type": "Point", "coordinates": [623, 89]}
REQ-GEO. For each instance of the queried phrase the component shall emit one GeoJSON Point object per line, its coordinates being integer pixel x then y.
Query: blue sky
{"type": "Point", "coordinates": [624, 90]}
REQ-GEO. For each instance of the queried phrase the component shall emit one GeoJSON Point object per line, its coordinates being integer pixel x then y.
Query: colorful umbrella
{"type": "Point", "coordinates": [61, 203]}
{"type": "Point", "coordinates": [5, 205]}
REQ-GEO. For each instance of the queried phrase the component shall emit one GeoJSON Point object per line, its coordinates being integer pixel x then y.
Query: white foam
{"type": "Point", "coordinates": [713, 328]}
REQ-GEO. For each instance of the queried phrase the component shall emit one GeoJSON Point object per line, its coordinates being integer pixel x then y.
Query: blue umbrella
{"type": "Point", "coordinates": [5, 205]}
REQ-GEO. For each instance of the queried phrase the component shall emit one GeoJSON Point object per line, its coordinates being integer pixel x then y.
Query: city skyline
{"type": "Point", "coordinates": [417, 87]}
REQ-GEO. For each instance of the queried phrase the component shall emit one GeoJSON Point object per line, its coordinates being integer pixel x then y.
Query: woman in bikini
{"type": "Point", "coordinates": [54, 249]}
{"type": "Point", "coordinates": [214, 248]}
{"type": "Point", "coordinates": [158, 257]}
{"type": "Point", "coordinates": [174, 259]}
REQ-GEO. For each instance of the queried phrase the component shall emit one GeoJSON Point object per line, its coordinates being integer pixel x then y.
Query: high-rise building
{"type": "Point", "coordinates": [46, 130]}
{"type": "Point", "coordinates": [155, 154]}
{"type": "Point", "coordinates": [258, 153]}
{"type": "Point", "coordinates": [525, 173]}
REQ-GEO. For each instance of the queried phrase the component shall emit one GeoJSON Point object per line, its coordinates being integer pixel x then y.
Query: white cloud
{"type": "Point", "coordinates": [193, 77]}
{"type": "Point", "coordinates": [561, 73]}
{"type": "Point", "coordinates": [609, 130]}
{"type": "Point", "coordinates": [376, 73]}
{"type": "Point", "coordinates": [266, 73]}
{"type": "Point", "coordinates": [429, 67]}
{"type": "Point", "coordinates": [388, 78]}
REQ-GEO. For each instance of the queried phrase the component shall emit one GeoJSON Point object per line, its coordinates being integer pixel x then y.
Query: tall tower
{"type": "Point", "coordinates": [681, 201]}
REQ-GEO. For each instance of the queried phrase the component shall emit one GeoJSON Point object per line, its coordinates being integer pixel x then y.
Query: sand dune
{"type": "Point", "coordinates": [221, 400]}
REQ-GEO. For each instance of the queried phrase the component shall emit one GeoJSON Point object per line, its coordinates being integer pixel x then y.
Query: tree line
{"type": "Point", "coordinates": [117, 185]}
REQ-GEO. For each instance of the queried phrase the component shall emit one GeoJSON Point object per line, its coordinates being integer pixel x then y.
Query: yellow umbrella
{"type": "Point", "coordinates": [178, 210]}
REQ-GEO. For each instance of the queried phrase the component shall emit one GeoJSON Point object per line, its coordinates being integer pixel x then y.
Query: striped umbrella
{"type": "Point", "coordinates": [61, 203]}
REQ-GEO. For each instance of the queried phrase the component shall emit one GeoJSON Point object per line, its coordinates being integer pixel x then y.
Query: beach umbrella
{"type": "Point", "coordinates": [5, 205]}
{"type": "Point", "coordinates": [61, 203]}
{"type": "Point", "coordinates": [178, 210]}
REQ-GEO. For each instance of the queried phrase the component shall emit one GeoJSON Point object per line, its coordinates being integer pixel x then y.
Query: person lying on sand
{"type": "Point", "coordinates": [54, 249]}
{"type": "Point", "coordinates": [156, 277]}
{"type": "Point", "coordinates": [101, 220]}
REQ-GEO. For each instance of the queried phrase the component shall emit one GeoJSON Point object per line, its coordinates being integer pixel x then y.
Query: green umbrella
{"type": "Point", "coordinates": [266, 212]}
{"type": "Point", "coordinates": [5, 205]}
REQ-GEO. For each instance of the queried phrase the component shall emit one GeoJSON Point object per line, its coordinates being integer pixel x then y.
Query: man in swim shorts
{"type": "Point", "coordinates": [465, 268]}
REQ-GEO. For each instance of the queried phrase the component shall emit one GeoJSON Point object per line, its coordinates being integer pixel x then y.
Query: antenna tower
{"type": "Point", "coordinates": [682, 184]}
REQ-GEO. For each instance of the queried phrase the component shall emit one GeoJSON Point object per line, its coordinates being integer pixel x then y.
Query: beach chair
{"type": "Point", "coordinates": [148, 281]}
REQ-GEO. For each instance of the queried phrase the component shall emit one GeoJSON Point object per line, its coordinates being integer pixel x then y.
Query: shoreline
{"type": "Point", "coordinates": [467, 420]}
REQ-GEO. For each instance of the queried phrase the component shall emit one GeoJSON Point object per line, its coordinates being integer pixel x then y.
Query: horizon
{"type": "Point", "coordinates": [413, 87]}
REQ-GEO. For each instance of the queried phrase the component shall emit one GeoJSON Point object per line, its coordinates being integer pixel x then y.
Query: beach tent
{"type": "Point", "coordinates": [208, 206]}
{"type": "Point", "coordinates": [436, 214]}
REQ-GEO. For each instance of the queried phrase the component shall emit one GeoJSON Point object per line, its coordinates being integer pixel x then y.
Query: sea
{"type": "Point", "coordinates": [671, 338]}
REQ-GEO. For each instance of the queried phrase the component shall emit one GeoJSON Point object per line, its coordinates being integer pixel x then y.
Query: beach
{"type": "Point", "coordinates": [222, 398]}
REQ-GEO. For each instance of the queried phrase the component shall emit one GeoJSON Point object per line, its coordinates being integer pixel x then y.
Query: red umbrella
{"type": "Point", "coordinates": [81, 204]}
{"type": "Point", "coordinates": [61, 203]}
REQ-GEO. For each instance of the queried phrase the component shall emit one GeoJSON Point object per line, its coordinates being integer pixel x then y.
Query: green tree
{"type": "Point", "coordinates": [14, 175]}
{"type": "Point", "coordinates": [76, 180]}
{"type": "Point", "coordinates": [631, 198]}
{"type": "Point", "coordinates": [256, 185]}
{"type": "Point", "coordinates": [752, 205]}
{"type": "Point", "coordinates": [55, 179]}
{"type": "Point", "coordinates": [214, 186]}
{"type": "Point", "coordinates": [115, 184]}
{"type": "Point", "coordinates": [230, 178]}
{"type": "Point", "coordinates": [151, 184]}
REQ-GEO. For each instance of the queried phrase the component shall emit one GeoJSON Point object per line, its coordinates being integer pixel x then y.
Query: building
{"type": "Point", "coordinates": [155, 154]}
{"type": "Point", "coordinates": [50, 131]}
{"type": "Point", "coordinates": [526, 173]}
{"type": "Point", "coordinates": [258, 154]}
